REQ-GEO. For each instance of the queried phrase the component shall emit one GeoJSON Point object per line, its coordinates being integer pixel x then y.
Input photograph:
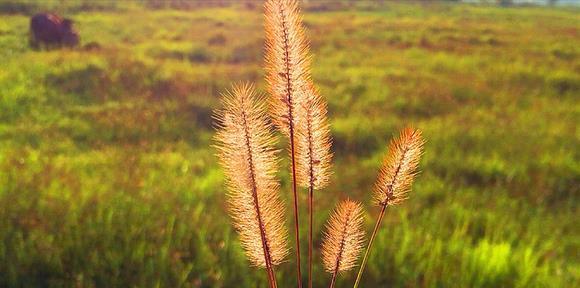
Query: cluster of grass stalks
{"type": "Point", "coordinates": [108, 177]}
{"type": "Point", "coordinates": [297, 109]}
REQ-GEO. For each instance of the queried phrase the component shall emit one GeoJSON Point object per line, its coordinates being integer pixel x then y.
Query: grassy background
{"type": "Point", "coordinates": [107, 177]}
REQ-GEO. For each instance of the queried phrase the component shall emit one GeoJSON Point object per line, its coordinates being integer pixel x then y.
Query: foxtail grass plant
{"type": "Point", "coordinates": [296, 108]}
{"type": "Point", "coordinates": [313, 156]}
{"type": "Point", "coordinates": [343, 239]}
{"type": "Point", "coordinates": [245, 142]}
{"type": "Point", "coordinates": [395, 179]}
{"type": "Point", "coordinates": [245, 145]}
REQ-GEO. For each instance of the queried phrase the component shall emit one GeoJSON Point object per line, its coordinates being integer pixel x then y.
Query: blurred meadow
{"type": "Point", "coordinates": [108, 177]}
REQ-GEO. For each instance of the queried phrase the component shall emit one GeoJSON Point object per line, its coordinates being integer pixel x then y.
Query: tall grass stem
{"type": "Point", "coordinates": [367, 252]}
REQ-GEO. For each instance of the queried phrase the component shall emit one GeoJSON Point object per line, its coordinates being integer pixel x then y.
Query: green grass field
{"type": "Point", "coordinates": [108, 177]}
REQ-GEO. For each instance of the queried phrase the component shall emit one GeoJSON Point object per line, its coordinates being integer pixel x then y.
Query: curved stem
{"type": "Point", "coordinates": [366, 257]}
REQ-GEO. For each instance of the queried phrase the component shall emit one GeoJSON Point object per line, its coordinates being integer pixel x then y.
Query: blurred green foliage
{"type": "Point", "coordinates": [108, 179]}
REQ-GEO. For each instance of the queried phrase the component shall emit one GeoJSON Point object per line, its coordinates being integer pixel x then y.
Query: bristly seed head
{"type": "Point", "coordinates": [286, 61]}
{"type": "Point", "coordinates": [313, 142]}
{"type": "Point", "coordinates": [245, 149]}
{"type": "Point", "coordinates": [399, 168]}
{"type": "Point", "coordinates": [344, 237]}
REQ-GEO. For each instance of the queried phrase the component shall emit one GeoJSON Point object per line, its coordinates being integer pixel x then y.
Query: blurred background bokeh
{"type": "Point", "coordinates": [108, 177]}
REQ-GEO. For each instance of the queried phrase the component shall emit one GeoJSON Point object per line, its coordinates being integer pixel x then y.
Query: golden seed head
{"type": "Point", "coordinates": [313, 156]}
{"type": "Point", "coordinates": [344, 237]}
{"type": "Point", "coordinates": [399, 168]}
{"type": "Point", "coordinates": [286, 61]}
{"type": "Point", "coordinates": [245, 149]}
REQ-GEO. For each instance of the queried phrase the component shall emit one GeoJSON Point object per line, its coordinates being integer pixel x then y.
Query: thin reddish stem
{"type": "Point", "coordinates": [271, 277]}
{"type": "Point", "coordinates": [310, 195]}
{"type": "Point", "coordinates": [296, 225]}
{"type": "Point", "coordinates": [333, 280]}
{"type": "Point", "coordinates": [292, 148]}
{"type": "Point", "coordinates": [366, 257]}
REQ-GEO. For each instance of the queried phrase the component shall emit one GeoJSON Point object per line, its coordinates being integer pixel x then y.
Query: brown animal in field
{"type": "Point", "coordinates": [50, 30]}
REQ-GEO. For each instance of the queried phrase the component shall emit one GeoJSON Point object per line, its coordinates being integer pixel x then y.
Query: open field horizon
{"type": "Point", "coordinates": [108, 177]}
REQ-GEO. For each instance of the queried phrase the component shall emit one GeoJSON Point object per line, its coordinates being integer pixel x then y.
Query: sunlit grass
{"type": "Point", "coordinates": [107, 177]}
